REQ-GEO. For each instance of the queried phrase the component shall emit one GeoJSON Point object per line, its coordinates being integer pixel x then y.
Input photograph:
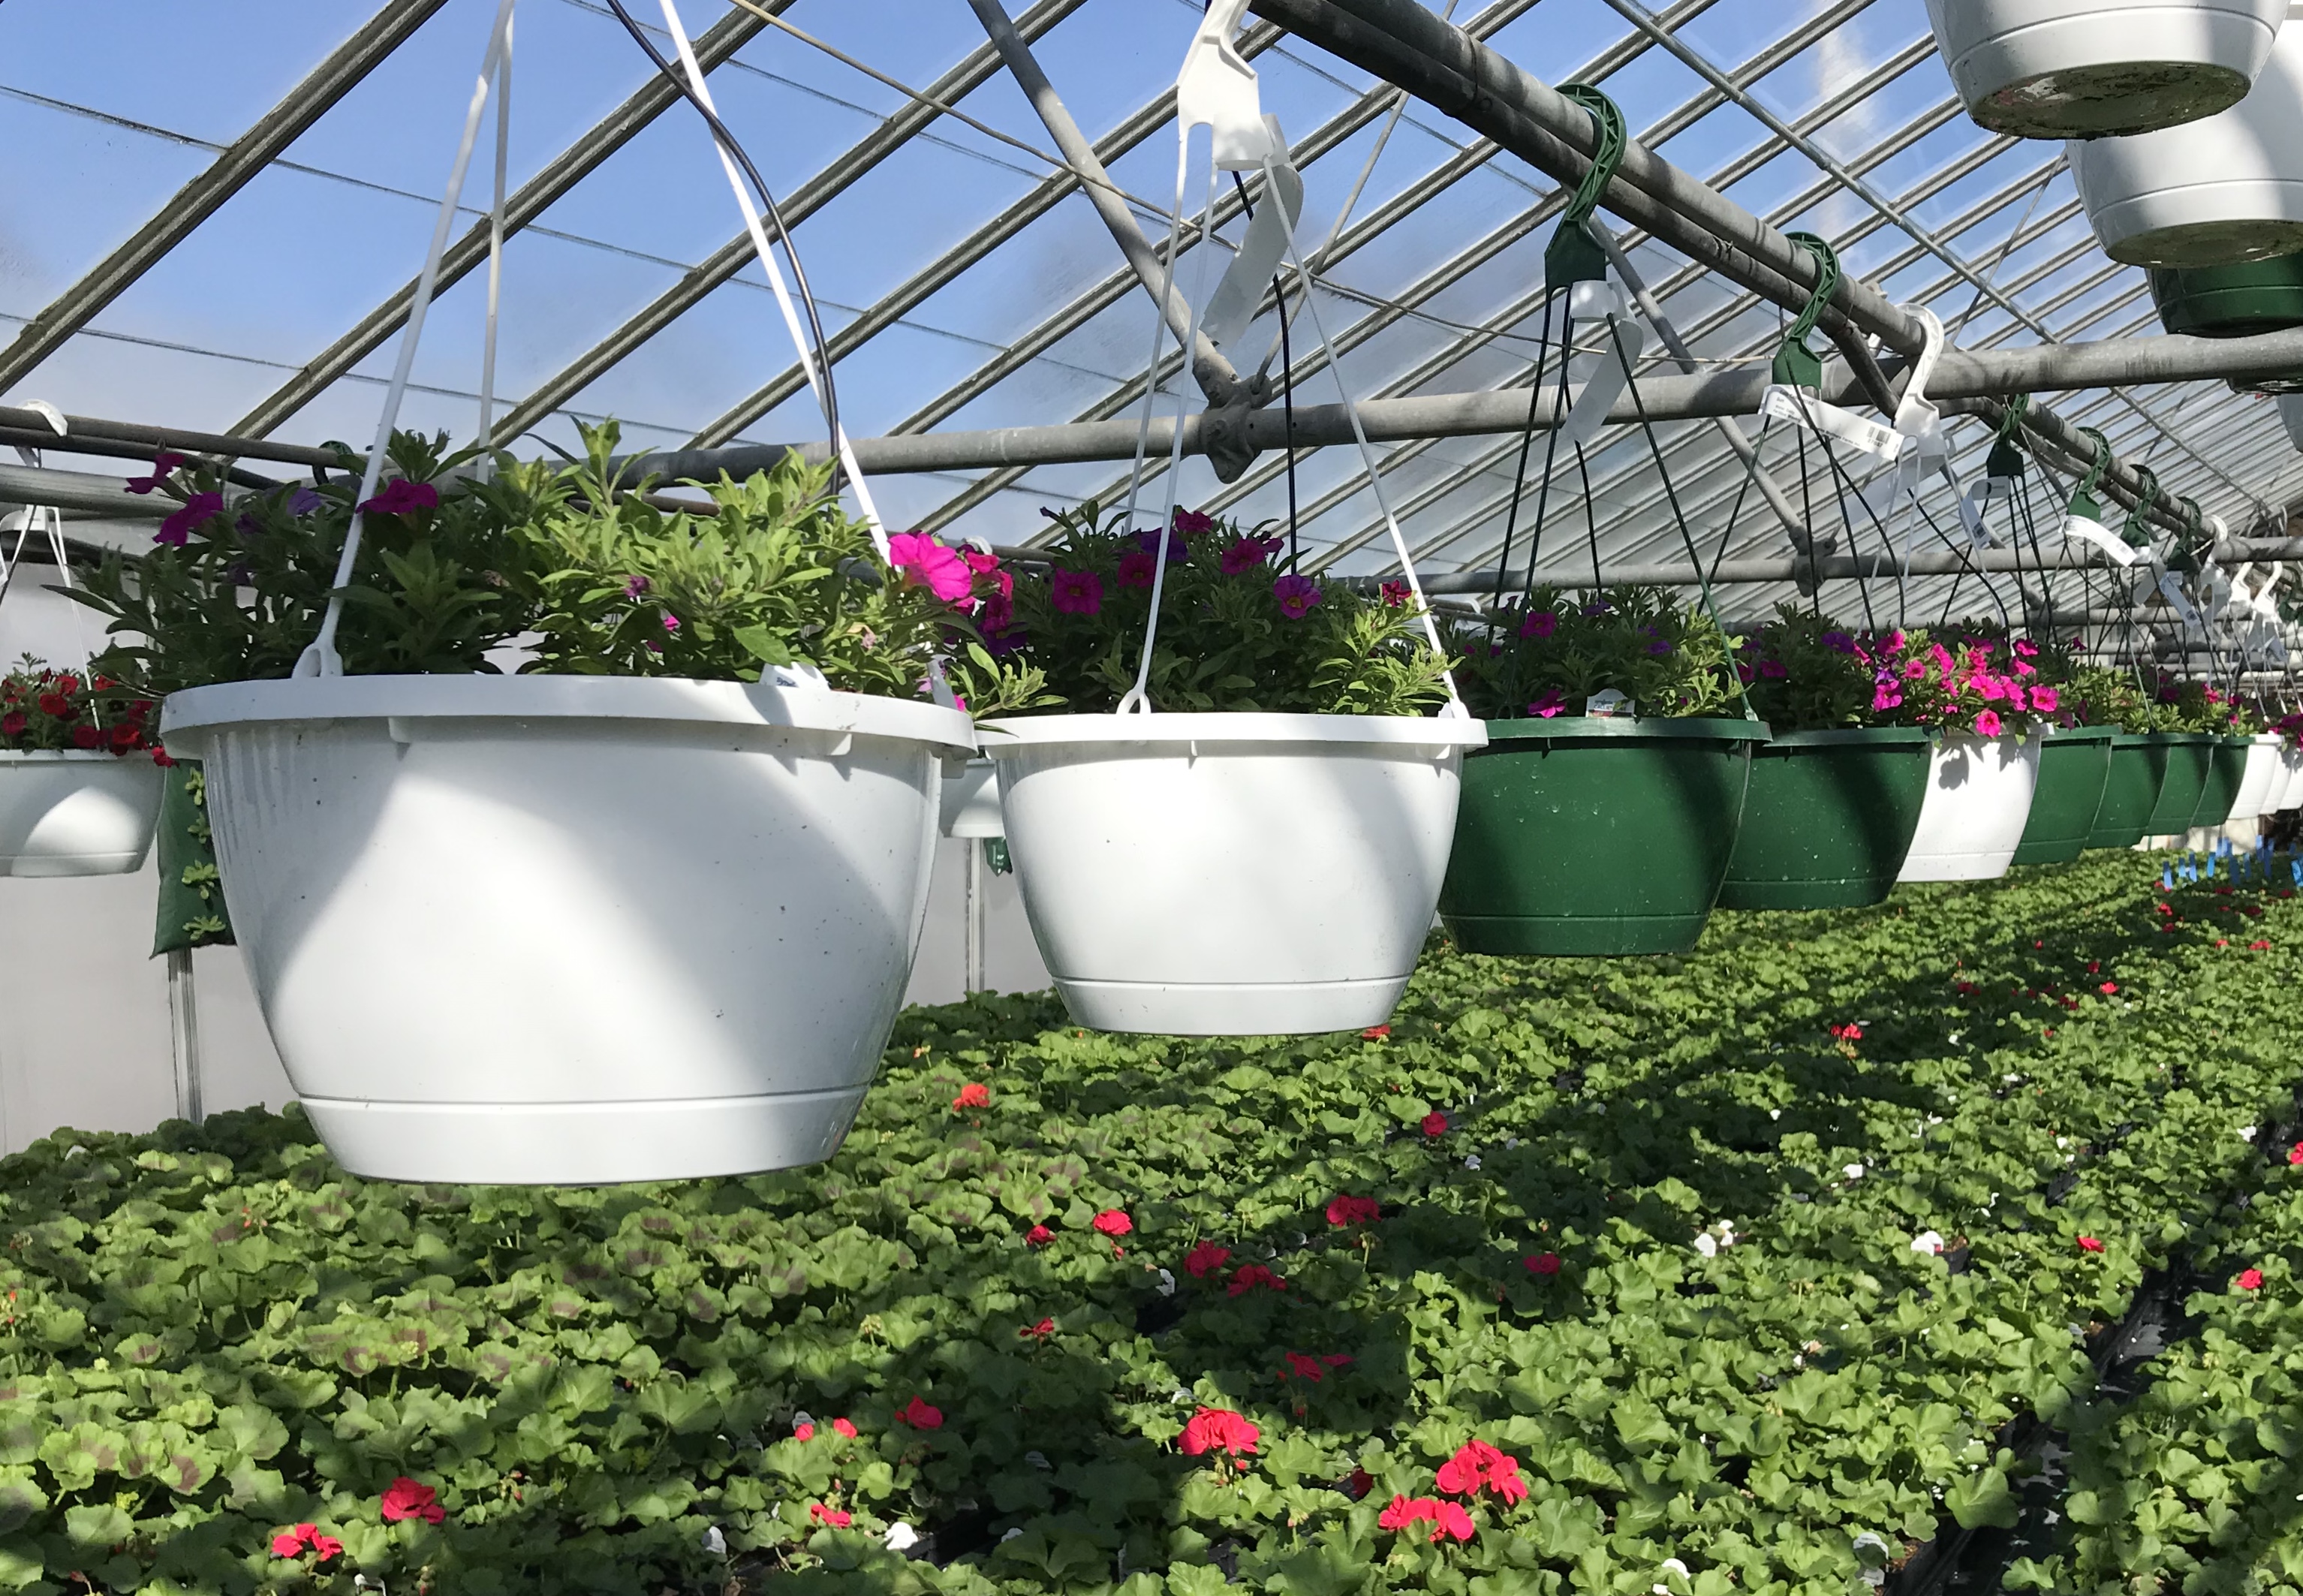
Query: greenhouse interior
{"type": "Point", "coordinates": [1485, 796]}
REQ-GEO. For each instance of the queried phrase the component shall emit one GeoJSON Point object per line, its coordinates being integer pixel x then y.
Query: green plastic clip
{"type": "Point", "coordinates": [1573, 256]}
{"type": "Point", "coordinates": [2084, 503]}
{"type": "Point", "coordinates": [2006, 458]}
{"type": "Point", "coordinates": [1796, 365]}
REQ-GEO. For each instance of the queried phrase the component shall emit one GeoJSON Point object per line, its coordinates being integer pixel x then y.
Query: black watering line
{"type": "Point", "coordinates": [728, 142]}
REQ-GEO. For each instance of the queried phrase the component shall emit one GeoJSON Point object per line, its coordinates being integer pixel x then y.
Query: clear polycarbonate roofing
{"type": "Point", "coordinates": [966, 284]}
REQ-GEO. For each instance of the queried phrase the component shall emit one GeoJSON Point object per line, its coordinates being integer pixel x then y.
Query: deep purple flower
{"type": "Point", "coordinates": [1773, 669]}
{"type": "Point", "coordinates": [1296, 596]}
{"type": "Point", "coordinates": [1660, 646]}
{"type": "Point", "coordinates": [635, 586]}
{"type": "Point", "coordinates": [303, 501]}
{"type": "Point", "coordinates": [163, 463]}
{"type": "Point", "coordinates": [1137, 569]}
{"type": "Point", "coordinates": [1178, 550]}
{"type": "Point", "coordinates": [196, 512]}
{"type": "Point", "coordinates": [1075, 592]}
{"type": "Point", "coordinates": [399, 496]}
{"type": "Point", "coordinates": [1191, 523]}
{"type": "Point", "coordinates": [1839, 642]}
{"type": "Point", "coordinates": [1597, 606]}
{"type": "Point", "coordinates": [1541, 624]}
{"type": "Point", "coordinates": [1549, 705]}
{"type": "Point", "coordinates": [239, 574]}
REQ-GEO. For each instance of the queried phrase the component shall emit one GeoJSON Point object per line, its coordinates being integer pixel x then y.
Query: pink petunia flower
{"type": "Point", "coordinates": [927, 563]}
{"type": "Point", "coordinates": [1076, 592]}
{"type": "Point", "coordinates": [1296, 596]}
{"type": "Point", "coordinates": [1137, 568]}
{"type": "Point", "coordinates": [1986, 723]}
{"type": "Point", "coordinates": [401, 497]}
{"type": "Point", "coordinates": [1549, 705]}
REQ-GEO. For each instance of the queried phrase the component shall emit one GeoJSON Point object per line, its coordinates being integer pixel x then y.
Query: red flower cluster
{"type": "Point", "coordinates": [1304, 1366]}
{"type": "Point", "coordinates": [1446, 1518]}
{"type": "Point", "coordinates": [1346, 1210]}
{"type": "Point", "coordinates": [2089, 1243]}
{"type": "Point", "coordinates": [53, 711]}
{"type": "Point", "coordinates": [836, 1517]}
{"type": "Point", "coordinates": [1851, 1032]}
{"type": "Point", "coordinates": [1252, 1275]}
{"type": "Point", "coordinates": [1435, 1124]}
{"type": "Point", "coordinates": [1219, 1430]}
{"type": "Point", "coordinates": [1543, 1264]}
{"type": "Point", "coordinates": [1038, 1236]}
{"type": "Point", "coordinates": [919, 1415]}
{"type": "Point", "coordinates": [2295, 1153]}
{"type": "Point", "coordinates": [1206, 1259]}
{"type": "Point", "coordinates": [406, 1498]}
{"type": "Point", "coordinates": [1376, 1033]}
{"type": "Point", "coordinates": [293, 1543]}
{"type": "Point", "coordinates": [1037, 1332]}
{"type": "Point", "coordinates": [1114, 1222]}
{"type": "Point", "coordinates": [1478, 1467]}
{"type": "Point", "coordinates": [2249, 1279]}
{"type": "Point", "coordinates": [975, 1095]}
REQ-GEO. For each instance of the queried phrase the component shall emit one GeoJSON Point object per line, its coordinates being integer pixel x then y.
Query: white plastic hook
{"type": "Point", "coordinates": [1217, 89]}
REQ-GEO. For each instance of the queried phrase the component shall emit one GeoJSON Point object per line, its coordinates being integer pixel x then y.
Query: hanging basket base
{"type": "Point", "coordinates": [1562, 936]}
{"type": "Point", "coordinates": [1854, 892]}
{"type": "Point", "coordinates": [582, 1144]}
{"type": "Point", "coordinates": [1231, 1009]}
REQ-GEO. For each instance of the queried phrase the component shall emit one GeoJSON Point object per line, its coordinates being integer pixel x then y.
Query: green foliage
{"type": "Point", "coordinates": [2182, 705]}
{"type": "Point", "coordinates": [1804, 674]}
{"type": "Point", "coordinates": [209, 1337]}
{"type": "Point", "coordinates": [1226, 640]}
{"type": "Point", "coordinates": [2109, 695]}
{"type": "Point", "coordinates": [1547, 652]}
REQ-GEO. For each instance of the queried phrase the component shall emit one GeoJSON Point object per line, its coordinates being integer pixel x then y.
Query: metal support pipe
{"type": "Point", "coordinates": [82, 491]}
{"type": "Point", "coordinates": [1407, 44]}
{"type": "Point", "coordinates": [1215, 375]}
{"type": "Point", "coordinates": [150, 440]}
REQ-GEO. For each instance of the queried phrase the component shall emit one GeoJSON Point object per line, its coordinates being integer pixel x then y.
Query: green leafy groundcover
{"type": "Point", "coordinates": [1644, 1228]}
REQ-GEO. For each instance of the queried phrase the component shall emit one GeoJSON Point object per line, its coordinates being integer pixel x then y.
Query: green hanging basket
{"type": "Point", "coordinates": [2226, 768]}
{"type": "Point", "coordinates": [2074, 765]}
{"type": "Point", "coordinates": [2190, 755]}
{"type": "Point", "coordinates": [1829, 818]}
{"type": "Point", "coordinates": [2130, 790]}
{"type": "Point", "coordinates": [1582, 837]}
{"type": "Point", "coordinates": [2234, 301]}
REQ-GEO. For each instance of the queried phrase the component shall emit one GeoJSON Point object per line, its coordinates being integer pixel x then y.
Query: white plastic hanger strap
{"type": "Point", "coordinates": [1241, 293]}
{"type": "Point", "coordinates": [1627, 336]}
{"type": "Point", "coordinates": [321, 658]}
{"type": "Point", "coordinates": [1782, 403]}
{"type": "Point", "coordinates": [2083, 528]}
{"type": "Point", "coordinates": [752, 224]}
{"type": "Point", "coordinates": [495, 249]}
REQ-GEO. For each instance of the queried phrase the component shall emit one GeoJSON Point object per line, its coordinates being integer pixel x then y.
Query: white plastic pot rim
{"type": "Point", "coordinates": [1413, 731]}
{"type": "Point", "coordinates": [66, 755]}
{"type": "Point", "coordinates": [189, 716]}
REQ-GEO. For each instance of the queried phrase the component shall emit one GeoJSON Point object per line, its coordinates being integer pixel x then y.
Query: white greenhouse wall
{"type": "Point", "coordinates": [84, 1027]}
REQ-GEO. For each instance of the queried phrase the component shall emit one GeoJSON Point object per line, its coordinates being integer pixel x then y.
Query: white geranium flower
{"type": "Point", "coordinates": [715, 1543]}
{"type": "Point", "coordinates": [1929, 1242]}
{"type": "Point", "coordinates": [902, 1537]}
{"type": "Point", "coordinates": [1472, 1161]}
{"type": "Point", "coordinates": [1669, 1565]}
{"type": "Point", "coordinates": [1775, 1113]}
{"type": "Point", "coordinates": [1706, 1246]}
{"type": "Point", "coordinates": [2246, 1133]}
{"type": "Point", "coordinates": [1852, 1171]}
{"type": "Point", "coordinates": [1167, 1284]}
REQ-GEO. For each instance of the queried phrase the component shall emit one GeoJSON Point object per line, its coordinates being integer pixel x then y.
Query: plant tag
{"type": "Point", "coordinates": [2088, 530]}
{"type": "Point", "coordinates": [1873, 437]}
{"type": "Point", "coordinates": [1609, 704]}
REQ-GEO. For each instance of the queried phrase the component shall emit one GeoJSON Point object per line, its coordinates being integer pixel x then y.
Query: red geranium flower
{"type": "Point", "coordinates": [1206, 1259]}
{"type": "Point", "coordinates": [1219, 1430]}
{"type": "Point", "coordinates": [2249, 1279]}
{"type": "Point", "coordinates": [2089, 1243]}
{"type": "Point", "coordinates": [975, 1095]}
{"type": "Point", "coordinates": [1543, 1264]}
{"type": "Point", "coordinates": [406, 1498]}
{"type": "Point", "coordinates": [1446, 1518]}
{"type": "Point", "coordinates": [2108, 987]}
{"type": "Point", "coordinates": [2256, 947]}
{"type": "Point", "coordinates": [1252, 1275]}
{"type": "Point", "coordinates": [1038, 1332]}
{"type": "Point", "coordinates": [1850, 1032]}
{"type": "Point", "coordinates": [803, 1432]}
{"type": "Point", "coordinates": [842, 1427]}
{"type": "Point", "coordinates": [1435, 1124]}
{"type": "Point", "coordinates": [290, 1543]}
{"type": "Point", "coordinates": [1114, 1222]}
{"type": "Point", "coordinates": [836, 1517]}
{"type": "Point", "coordinates": [1345, 1209]}
{"type": "Point", "coordinates": [1478, 1467]}
{"type": "Point", "coordinates": [1038, 1236]}
{"type": "Point", "coordinates": [919, 1415]}
{"type": "Point", "coordinates": [1375, 1034]}
{"type": "Point", "coordinates": [2295, 1153]}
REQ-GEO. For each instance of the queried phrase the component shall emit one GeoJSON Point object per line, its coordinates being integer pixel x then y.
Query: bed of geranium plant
{"type": "Point", "coordinates": [1725, 1274]}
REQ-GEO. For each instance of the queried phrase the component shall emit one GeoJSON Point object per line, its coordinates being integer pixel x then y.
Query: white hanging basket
{"type": "Point", "coordinates": [2086, 69]}
{"type": "Point", "coordinates": [2222, 189]}
{"type": "Point", "coordinates": [77, 812]}
{"type": "Point", "coordinates": [1979, 801]}
{"type": "Point", "coordinates": [2287, 790]}
{"type": "Point", "coordinates": [1230, 875]}
{"type": "Point", "coordinates": [560, 929]}
{"type": "Point", "coordinates": [2264, 773]}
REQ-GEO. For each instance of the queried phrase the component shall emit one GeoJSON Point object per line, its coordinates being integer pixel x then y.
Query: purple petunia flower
{"type": "Point", "coordinates": [303, 501]}
{"type": "Point", "coordinates": [1296, 596]}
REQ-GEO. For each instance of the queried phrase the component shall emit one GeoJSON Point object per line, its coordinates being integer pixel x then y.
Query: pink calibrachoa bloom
{"type": "Point", "coordinates": [1206, 1259]}
{"type": "Point", "coordinates": [291, 1543]}
{"type": "Point", "coordinates": [409, 1499]}
{"type": "Point", "coordinates": [670, 623]}
{"type": "Point", "coordinates": [2249, 1279]}
{"type": "Point", "coordinates": [920, 1416]}
{"type": "Point", "coordinates": [1191, 523]}
{"type": "Point", "coordinates": [2045, 700]}
{"type": "Point", "coordinates": [1038, 1236]}
{"type": "Point", "coordinates": [635, 586]}
{"type": "Point", "coordinates": [197, 510]}
{"type": "Point", "coordinates": [1986, 722]}
{"type": "Point", "coordinates": [1543, 1264]}
{"type": "Point", "coordinates": [1251, 1276]}
{"type": "Point", "coordinates": [1446, 1518]}
{"type": "Point", "coordinates": [1075, 592]}
{"type": "Point", "coordinates": [1114, 1222]}
{"type": "Point", "coordinates": [1137, 569]}
{"type": "Point", "coordinates": [1395, 593]}
{"type": "Point", "coordinates": [928, 563]}
{"type": "Point", "coordinates": [1246, 553]}
{"type": "Point", "coordinates": [1552, 702]}
{"type": "Point", "coordinates": [1219, 1430]}
{"type": "Point", "coordinates": [975, 1095]}
{"type": "Point", "coordinates": [163, 463]}
{"type": "Point", "coordinates": [1296, 596]}
{"type": "Point", "coordinates": [401, 496]}
{"type": "Point", "coordinates": [2089, 1243]}
{"type": "Point", "coordinates": [1435, 1124]}
{"type": "Point", "coordinates": [1346, 1210]}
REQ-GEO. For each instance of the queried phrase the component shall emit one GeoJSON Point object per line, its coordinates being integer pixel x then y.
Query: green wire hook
{"type": "Point", "coordinates": [1573, 256]}
{"type": "Point", "coordinates": [1796, 365]}
{"type": "Point", "coordinates": [2084, 503]}
{"type": "Point", "coordinates": [2007, 443]}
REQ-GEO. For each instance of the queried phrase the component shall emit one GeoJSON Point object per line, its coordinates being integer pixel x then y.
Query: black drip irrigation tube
{"type": "Point", "coordinates": [1960, 1562]}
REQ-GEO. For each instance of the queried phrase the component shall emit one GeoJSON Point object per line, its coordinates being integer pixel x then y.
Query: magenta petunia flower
{"type": "Point", "coordinates": [163, 463]}
{"type": "Point", "coordinates": [399, 496]}
{"type": "Point", "coordinates": [1552, 702]}
{"type": "Point", "coordinates": [197, 510]}
{"type": "Point", "coordinates": [927, 563]}
{"type": "Point", "coordinates": [672, 623]}
{"type": "Point", "coordinates": [1541, 624]}
{"type": "Point", "coordinates": [1296, 596]}
{"type": "Point", "coordinates": [635, 586]}
{"type": "Point", "coordinates": [1986, 723]}
{"type": "Point", "coordinates": [1246, 553]}
{"type": "Point", "coordinates": [1395, 593]}
{"type": "Point", "coordinates": [2045, 700]}
{"type": "Point", "coordinates": [1076, 592]}
{"type": "Point", "coordinates": [1191, 523]}
{"type": "Point", "coordinates": [1137, 569]}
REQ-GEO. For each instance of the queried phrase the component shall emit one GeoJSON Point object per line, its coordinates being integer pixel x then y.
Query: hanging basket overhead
{"type": "Point", "coordinates": [2080, 69]}
{"type": "Point", "coordinates": [1979, 792]}
{"type": "Point", "coordinates": [2263, 773]}
{"type": "Point", "coordinates": [2130, 790]}
{"type": "Point", "coordinates": [2074, 767]}
{"type": "Point", "coordinates": [70, 812]}
{"type": "Point", "coordinates": [2218, 191]}
{"type": "Point", "coordinates": [1828, 818]}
